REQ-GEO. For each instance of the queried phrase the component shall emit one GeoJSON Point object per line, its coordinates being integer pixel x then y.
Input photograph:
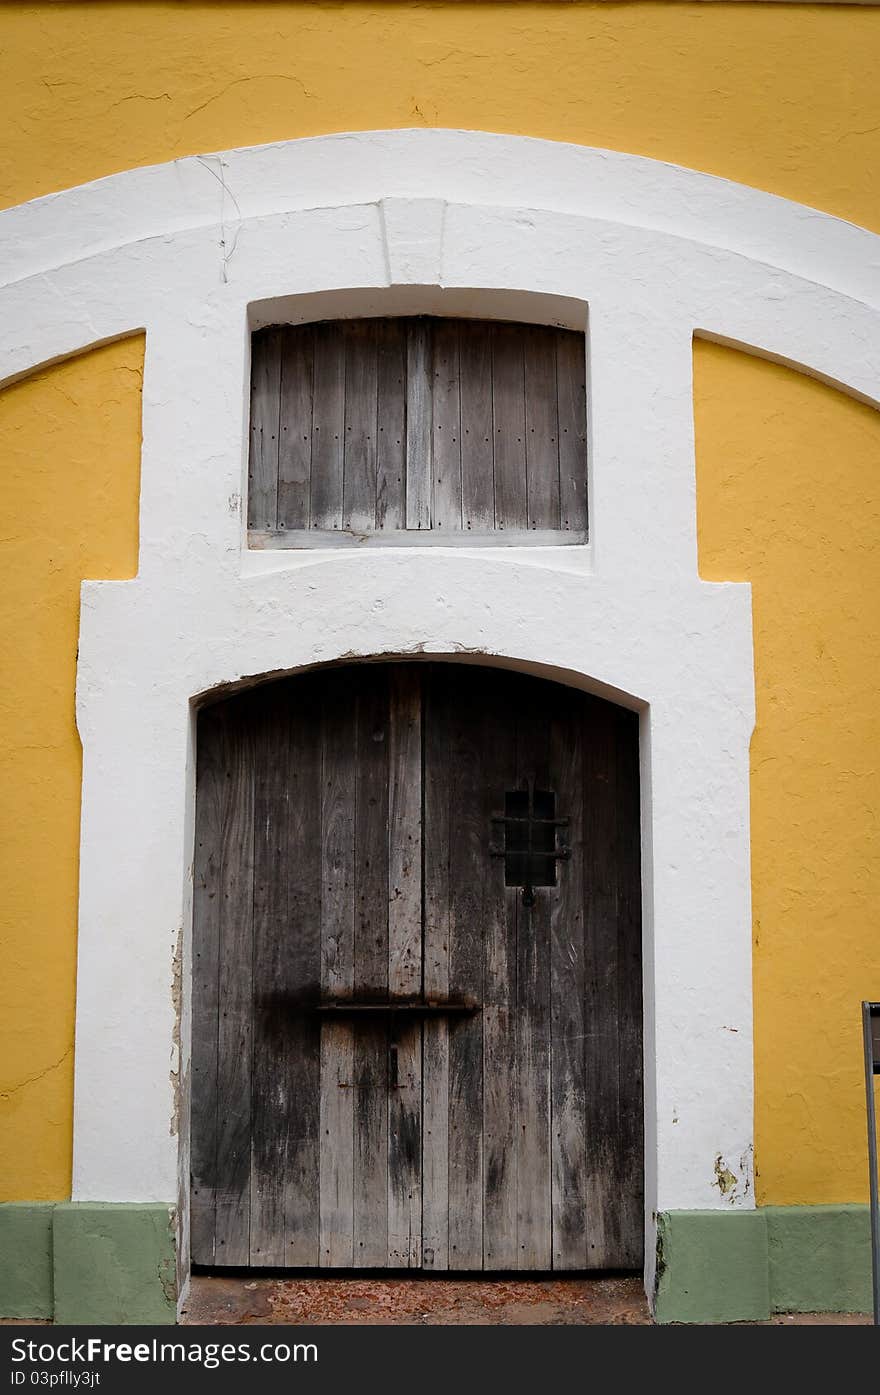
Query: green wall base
{"type": "Point", "coordinates": [711, 1267]}
{"type": "Point", "coordinates": [741, 1266]}
{"type": "Point", "coordinates": [114, 1263]}
{"type": "Point", "coordinates": [88, 1262]}
{"type": "Point", "coordinates": [26, 1259]}
{"type": "Point", "coordinates": [819, 1258]}
{"type": "Point", "coordinates": [94, 1263]}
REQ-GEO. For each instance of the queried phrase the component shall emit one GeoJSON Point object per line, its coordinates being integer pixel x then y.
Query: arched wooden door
{"type": "Point", "coordinates": [417, 1013]}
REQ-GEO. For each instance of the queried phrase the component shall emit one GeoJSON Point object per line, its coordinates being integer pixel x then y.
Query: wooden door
{"type": "Point", "coordinates": [417, 975]}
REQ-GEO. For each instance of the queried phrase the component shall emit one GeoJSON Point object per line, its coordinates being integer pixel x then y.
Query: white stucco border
{"type": "Point", "coordinates": [198, 250]}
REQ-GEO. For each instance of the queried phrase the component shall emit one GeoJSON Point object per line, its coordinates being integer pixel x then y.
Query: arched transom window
{"type": "Point", "coordinates": [417, 430]}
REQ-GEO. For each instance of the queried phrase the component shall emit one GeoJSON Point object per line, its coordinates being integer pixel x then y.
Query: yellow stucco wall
{"type": "Point", "coordinates": [778, 96]}
{"type": "Point", "coordinates": [70, 462]}
{"type": "Point", "coordinates": [788, 476]}
{"type": "Point", "coordinates": [782, 97]}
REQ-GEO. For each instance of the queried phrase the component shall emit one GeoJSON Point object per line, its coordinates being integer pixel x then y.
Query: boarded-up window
{"type": "Point", "coordinates": [417, 430]}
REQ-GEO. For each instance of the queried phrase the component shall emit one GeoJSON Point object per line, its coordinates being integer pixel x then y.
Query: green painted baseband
{"type": "Point", "coordinates": [88, 1262]}
{"type": "Point", "coordinates": [711, 1267]}
{"type": "Point", "coordinates": [114, 1263]}
{"type": "Point", "coordinates": [819, 1258]}
{"type": "Point", "coordinates": [26, 1259]}
{"type": "Point", "coordinates": [741, 1266]}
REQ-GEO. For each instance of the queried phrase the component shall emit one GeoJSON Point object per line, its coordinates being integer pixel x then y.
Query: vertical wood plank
{"type": "Point", "coordinates": [370, 694]}
{"type": "Point", "coordinates": [601, 1040]}
{"type": "Point", "coordinates": [508, 414]}
{"type": "Point", "coordinates": [496, 737]}
{"type": "Point", "coordinates": [361, 367]}
{"type": "Point", "coordinates": [234, 1039]}
{"type": "Point", "coordinates": [405, 834]}
{"type": "Point", "coordinates": [477, 428]}
{"type": "Point", "coordinates": [437, 839]}
{"type": "Point", "coordinates": [301, 936]}
{"type": "Point", "coordinates": [391, 419]}
{"type": "Point", "coordinates": [405, 966]}
{"type": "Point", "coordinates": [630, 1173]}
{"type": "Point", "coordinates": [265, 408]}
{"type": "Point", "coordinates": [337, 974]}
{"type": "Point", "coordinates": [328, 428]}
{"type": "Point", "coordinates": [542, 427]}
{"type": "Point", "coordinates": [339, 744]}
{"type": "Point", "coordinates": [337, 1146]}
{"type": "Point", "coordinates": [533, 1188]}
{"type": "Point", "coordinates": [371, 1132]}
{"type": "Point", "coordinates": [295, 426]}
{"type": "Point", "coordinates": [467, 764]}
{"type": "Point", "coordinates": [435, 1151]}
{"type": "Point", "coordinates": [210, 806]}
{"type": "Point", "coordinates": [405, 1147]}
{"type": "Point", "coordinates": [271, 1099]}
{"type": "Point", "coordinates": [567, 1026]}
{"type": "Point", "coordinates": [419, 416]}
{"type": "Point", "coordinates": [446, 427]}
{"type": "Point", "coordinates": [571, 373]}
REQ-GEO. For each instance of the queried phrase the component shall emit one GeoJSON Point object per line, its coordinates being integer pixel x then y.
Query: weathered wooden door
{"type": "Point", "coordinates": [417, 975]}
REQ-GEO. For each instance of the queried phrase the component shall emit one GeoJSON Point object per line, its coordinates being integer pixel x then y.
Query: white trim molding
{"type": "Point", "coordinates": [644, 255]}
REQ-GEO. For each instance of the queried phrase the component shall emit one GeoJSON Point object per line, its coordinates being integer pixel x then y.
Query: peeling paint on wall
{"type": "Point", "coordinates": [725, 1180]}
{"type": "Point", "coordinates": [734, 1180]}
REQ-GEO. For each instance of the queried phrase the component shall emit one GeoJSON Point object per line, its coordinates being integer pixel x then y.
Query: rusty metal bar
{"type": "Point", "coordinates": [407, 1009]}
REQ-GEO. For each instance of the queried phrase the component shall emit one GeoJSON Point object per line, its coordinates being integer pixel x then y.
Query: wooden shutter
{"type": "Point", "coordinates": [417, 430]}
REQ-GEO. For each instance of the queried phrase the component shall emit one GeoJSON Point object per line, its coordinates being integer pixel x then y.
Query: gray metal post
{"type": "Point", "coordinates": [870, 1016]}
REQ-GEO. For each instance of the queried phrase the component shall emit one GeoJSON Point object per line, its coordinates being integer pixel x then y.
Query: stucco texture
{"type": "Point", "coordinates": [70, 454]}
{"type": "Point", "coordinates": [782, 97]}
{"type": "Point", "coordinates": [787, 473]}
{"type": "Point", "coordinates": [777, 96]}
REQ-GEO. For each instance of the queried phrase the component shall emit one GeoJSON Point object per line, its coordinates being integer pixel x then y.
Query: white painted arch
{"type": "Point", "coordinates": [645, 254]}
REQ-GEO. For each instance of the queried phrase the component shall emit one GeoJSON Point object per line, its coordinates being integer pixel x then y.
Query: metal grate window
{"type": "Point", "coordinates": [531, 847]}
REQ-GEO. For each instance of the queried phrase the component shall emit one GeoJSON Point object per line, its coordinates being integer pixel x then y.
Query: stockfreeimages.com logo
{"type": "Point", "coordinates": [93, 1351]}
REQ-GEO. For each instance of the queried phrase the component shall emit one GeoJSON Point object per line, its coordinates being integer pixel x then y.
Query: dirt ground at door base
{"type": "Point", "coordinates": [423, 1301]}
{"type": "Point", "coordinates": [322, 1302]}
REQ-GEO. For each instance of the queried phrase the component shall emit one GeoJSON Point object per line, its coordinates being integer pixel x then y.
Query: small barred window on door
{"type": "Point", "coordinates": [417, 430]}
